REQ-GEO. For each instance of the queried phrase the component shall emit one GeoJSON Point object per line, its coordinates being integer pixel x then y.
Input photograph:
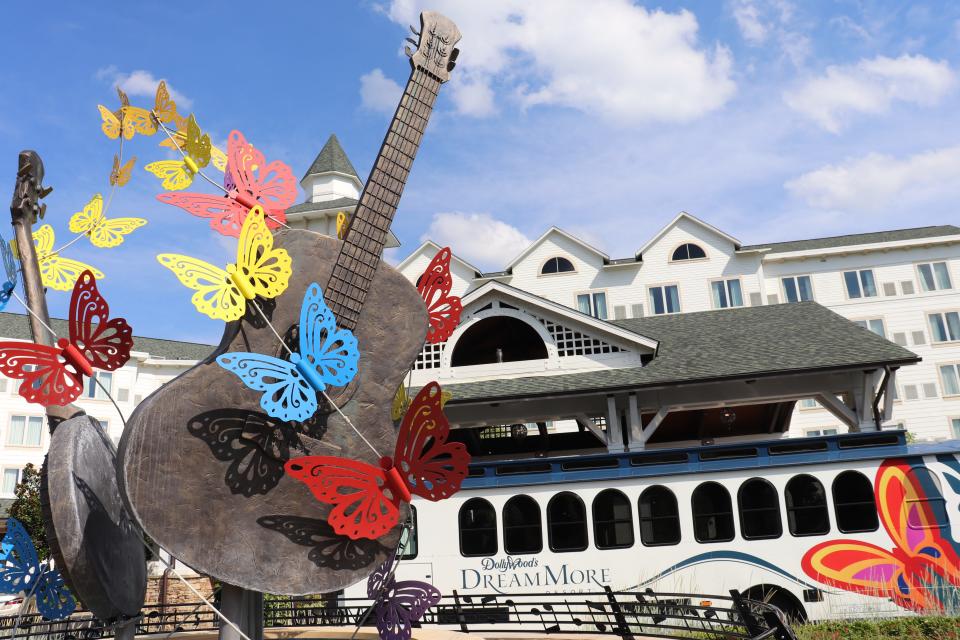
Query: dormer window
{"type": "Point", "coordinates": [556, 264]}
{"type": "Point", "coordinates": [688, 251]}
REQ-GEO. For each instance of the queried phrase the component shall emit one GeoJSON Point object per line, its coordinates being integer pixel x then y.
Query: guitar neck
{"type": "Point", "coordinates": [369, 227]}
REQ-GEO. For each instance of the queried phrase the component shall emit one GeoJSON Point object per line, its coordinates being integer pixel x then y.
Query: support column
{"type": "Point", "coordinates": [245, 609]}
{"type": "Point", "coordinates": [635, 433]}
{"type": "Point", "coordinates": [614, 431]}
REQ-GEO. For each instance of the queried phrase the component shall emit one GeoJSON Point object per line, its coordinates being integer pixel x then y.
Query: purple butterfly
{"type": "Point", "coordinates": [398, 605]}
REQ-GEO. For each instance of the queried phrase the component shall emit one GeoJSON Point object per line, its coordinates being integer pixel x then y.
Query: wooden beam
{"type": "Point", "coordinates": [635, 433]}
{"type": "Point", "coordinates": [589, 425]}
{"type": "Point", "coordinates": [654, 424]}
{"type": "Point", "coordinates": [841, 411]}
{"type": "Point", "coordinates": [614, 432]}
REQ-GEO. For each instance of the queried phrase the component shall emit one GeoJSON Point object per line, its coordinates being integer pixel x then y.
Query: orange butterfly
{"type": "Point", "coordinates": [917, 572]}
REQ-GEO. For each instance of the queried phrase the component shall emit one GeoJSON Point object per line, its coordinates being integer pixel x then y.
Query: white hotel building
{"type": "Point", "coordinates": [903, 284]}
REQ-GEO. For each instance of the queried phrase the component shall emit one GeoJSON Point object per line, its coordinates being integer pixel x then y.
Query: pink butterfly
{"type": "Point", "coordinates": [250, 181]}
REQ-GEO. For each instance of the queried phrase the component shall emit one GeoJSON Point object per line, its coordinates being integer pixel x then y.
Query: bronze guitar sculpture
{"type": "Point", "coordinates": [200, 464]}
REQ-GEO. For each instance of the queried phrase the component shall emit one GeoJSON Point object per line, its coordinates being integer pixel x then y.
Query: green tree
{"type": "Point", "coordinates": [26, 508]}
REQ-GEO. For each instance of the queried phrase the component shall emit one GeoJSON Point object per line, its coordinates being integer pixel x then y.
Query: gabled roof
{"type": "Point", "coordinates": [431, 248]}
{"type": "Point", "coordinates": [831, 242]}
{"type": "Point", "coordinates": [709, 346]}
{"type": "Point", "coordinates": [549, 232]}
{"type": "Point", "coordinates": [17, 326]}
{"type": "Point", "coordinates": [681, 216]}
{"type": "Point", "coordinates": [332, 159]}
{"type": "Point", "coordinates": [530, 301]}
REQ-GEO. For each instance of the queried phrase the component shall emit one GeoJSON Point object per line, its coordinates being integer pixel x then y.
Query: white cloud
{"type": "Point", "coordinates": [870, 86]}
{"type": "Point", "coordinates": [752, 28]}
{"type": "Point", "coordinates": [477, 237]}
{"type": "Point", "coordinates": [378, 92]}
{"type": "Point", "coordinates": [878, 182]}
{"type": "Point", "coordinates": [473, 96]}
{"type": "Point", "coordinates": [761, 21]}
{"type": "Point", "coordinates": [140, 83]}
{"type": "Point", "coordinates": [617, 59]}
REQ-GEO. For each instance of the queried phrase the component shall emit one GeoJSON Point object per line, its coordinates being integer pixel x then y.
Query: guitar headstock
{"type": "Point", "coordinates": [436, 52]}
{"type": "Point", "coordinates": [29, 189]}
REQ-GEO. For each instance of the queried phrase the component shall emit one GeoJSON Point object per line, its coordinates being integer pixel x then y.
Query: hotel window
{"type": "Point", "coordinates": [759, 510]}
{"type": "Point", "coordinates": [410, 544]}
{"type": "Point", "coordinates": [556, 265]}
{"type": "Point", "coordinates": [726, 293]}
{"type": "Point", "coordinates": [807, 507]}
{"type": "Point", "coordinates": [931, 510]}
{"type": "Point", "coordinates": [566, 523]}
{"type": "Point", "coordinates": [665, 299]}
{"type": "Point", "coordinates": [612, 520]}
{"type": "Point", "coordinates": [797, 288]}
{"type": "Point", "coordinates": [860, 284]}
{"type": "Point", "coordinates": [478, 528]}
{"type": "Point", "coordinates": [659, 517]}
{"type": "Point", "coordinates": [522, 528]}
{"type": "Point", "coordinates": [874, 324]}
{"type": "Point", "coordinates": [955, 428]}
{"type": "Point", "coordinates": [945, 327]}
{"type": "Point", "coordinates": [853, 503]}
{"type": "Point", "coordinates": [688, 251]}
{"type": "Point", "coordinates": [814, 433]}
{"type": "Point", "coordinates": [11, 478]}
{"type": "Point", "coordinates": [94, 390]}
{"type": "Point", "coordinates": [25, 431]}
{"type": "Point", "coordinates": [712, 513]}
{"type": "Point", "coordinates": [593, 304]}
{"type": "Point", "coordinates": [934, 276]}
{"type": "Point", "coordinates": [950, 377]}
{"type": "Point", "coordinates": [809, 403]}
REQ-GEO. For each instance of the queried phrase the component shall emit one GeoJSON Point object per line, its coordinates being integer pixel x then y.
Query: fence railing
{"type": "Point", "coordinates": [619, 613]}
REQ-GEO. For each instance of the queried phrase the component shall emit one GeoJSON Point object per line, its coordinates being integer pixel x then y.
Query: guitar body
{"type": "Point", "coordinates": [201, 465]}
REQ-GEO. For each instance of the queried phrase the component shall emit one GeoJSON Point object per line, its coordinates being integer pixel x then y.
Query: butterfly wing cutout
{"type": "Point", "coordinates": [174, 174]}
{"type": "Point", "coordinates": [105, 342]}
{"type": "Point", "coordinates": [196, 143]}
{"type": "Point", "coordinates": [103, 232]}
{"type": "Point", "coordinates": [267, 269]}
{"type": "Point", "coordinates": [47, 379]}
{"type": "Point", "coordinates": [226, 215]}
{"type": "Point", "coordinates": [434, 286]}
{"type": "Point", "coordinates": [54, 600]}
{"type": "Point", "coordinates": [402, 605]}
{"type": "Point", "coordinates": [21, 571]}
{"type": "Point", "coordinates": [215, 295]}
{"type": "Point", "coordinates": [272, 184]}
{"type": "Point", "coordinates": [286, 394]}
{"type": "Point", "coordinates": [120, 175]}
{"type": "Point", "coordinates": [164, 108]}
{"type": "Point", "coordinates": [355, 490]}
{"type": "Point", "coordinates": [56, 271]}
{"type": "Point", "coordinates": [431, 467]}
{"type": "Point", "coordinates": [328, 550]}
{"type": "Point", "coordinates": [333, 353]}
{"type": "Point", "coordinates": [10, 270]}
{"type": "Point", "coordinates": [138, 120]}
{"type": "Point", "coordinates": [401, 402]}
{"type": "Point", "coordinates": [110, 125]}
{"type": "Point", "coordinates": [92, 214]}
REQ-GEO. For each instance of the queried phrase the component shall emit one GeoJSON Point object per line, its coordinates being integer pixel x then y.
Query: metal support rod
{"type": "Point", "coordinates": [245, 609]}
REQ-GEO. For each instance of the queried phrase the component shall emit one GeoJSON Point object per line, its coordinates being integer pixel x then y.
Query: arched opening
{"type": "Point", "coordinates": [689, 251]}
{"type": "Point", "coordinates": [807, 507]}
{"type": "Point", "coordinates": [612, 520]}
{"type": "Point", "coordinates": [759, 510]}
{"type": "Point", "coordinates": [558, 264]}
{"type": "Point", "coordinates": [566, 523]}
{"type": "Point", "coordinates": [712, 513]}
{"type": "Point", "coordinates": [854, 504]}
{"type": "Point", "coordinates": [498, 339]}
{"type": "Point", "coordinates": [659, 517]}
{"type": "Point", "coordinates": [478, 528]}
{"type": "Point", "coordinates": [522, 528]}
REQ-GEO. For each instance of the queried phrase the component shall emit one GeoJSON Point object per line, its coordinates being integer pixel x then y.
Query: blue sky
{"type": "Point", "coordinates": [770, 119]}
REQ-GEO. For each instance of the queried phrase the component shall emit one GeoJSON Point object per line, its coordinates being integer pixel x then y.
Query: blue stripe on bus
{"type": "Point", "coordinates": [733, 556]}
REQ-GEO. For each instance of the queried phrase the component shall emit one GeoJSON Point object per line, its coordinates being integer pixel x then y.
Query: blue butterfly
{"type": "Point", "coordinates": [22, 572]}
{"type": "Point", "coordinates": [10, 267]}
{"type": "Point", "coordinates": [328, 357]}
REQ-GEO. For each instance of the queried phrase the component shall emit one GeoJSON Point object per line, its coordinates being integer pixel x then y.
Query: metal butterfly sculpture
{"type": "Point", "coordinates": [56, 272]}
{"type": "Point", "coordinates": [103, 232]}
{"type": "Point", "coordinates": [327, 356]}
{"type": "Point", "coordinates": [22, 572]}
{"type": "Point", "coordinates": [398, 605]}
{"type": "Point", "coordinates": [10, 271]}
{"type": "Point", "coordinates": [252, 181]}
{"type": "Point", "coordinates": [54, 375]}
{"type": "Point", "coordinates": [366, 499]}
{"type": "Point", "coordinates": [434, 286]}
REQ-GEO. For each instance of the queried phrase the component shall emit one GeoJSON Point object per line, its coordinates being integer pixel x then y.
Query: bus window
{"type": "Point", "coordinates": [566, 523]}
{"type": "Point", "coordinates": [612, 520]}
{"type": "Point", "coordinates": [659, 519]}
{"type": "Point", "coordinates": [807, 507]}
{"type": "Point", "coordinates": [522, 528]}
{"type": "Point", "coordinates": [759, 510]}
{"type": "Point", "coordinates": [478, 528]}
{"type": "Point", "coordinates": [853, 503]}
{"type": "Point", "coordinates": [408, 550]}
{"type": "Point", "coordinates": [932, 499]}
{"type": "Point", "coordinates": [712, 513]}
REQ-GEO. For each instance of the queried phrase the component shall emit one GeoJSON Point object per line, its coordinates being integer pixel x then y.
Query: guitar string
{"type": "Point", "coordinates": [206, 177]}
{"type": "Point", "coordinates": [322, 391]}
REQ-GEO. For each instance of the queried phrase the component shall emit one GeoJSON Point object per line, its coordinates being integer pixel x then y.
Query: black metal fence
{"type": "Point", "coordinates": [620, 613]}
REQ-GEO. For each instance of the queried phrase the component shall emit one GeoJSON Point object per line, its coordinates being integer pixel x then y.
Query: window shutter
{"type": "Point", "coordinates": [773, 299]}
{"type": "Point", "coordinates": [123, 395]}
{"type": "Point", "coordinates": [910, 392]}
{"type": "Point", "coordinates": [907, 287]}
{"type": "Point", "coordinates": [636, 310]}
{"type": "Point", "coordinates": [929, 390]}
{"type": "Point", "coordinates": [756, 299]}
{"type": "Point", "coordinates": [889, 288]}
{"type": "Point", "coordinates": [619, 312]}
{"type": "Point", "coordinates": [919, 337]}
{"type": "Point", "coordinates": [900, 338]}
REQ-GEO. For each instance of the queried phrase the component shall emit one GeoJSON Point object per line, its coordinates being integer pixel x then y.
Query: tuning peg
{"type": "Point", "coordinates": [43, 211]}
{"type": "Point", "coordinates": [412, 41]}
{"type": "Point", "coordinates": [43, 192]}
{"type": "Point", "coordinates": [454, 54]}
{"type": "Point", "coordinates": [408, 51]}
{"type": "Point", "coordinates": [414, 31]}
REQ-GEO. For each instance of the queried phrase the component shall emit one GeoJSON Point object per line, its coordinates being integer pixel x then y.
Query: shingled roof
{"type": "Point", "coordinates": [17, 326]}
{"type": "Point", "coordinates": [332, 158]}
{"type": "Point", "coordinates": [858, 238]}
{"type": "Point", "coordinates": [725, 344]}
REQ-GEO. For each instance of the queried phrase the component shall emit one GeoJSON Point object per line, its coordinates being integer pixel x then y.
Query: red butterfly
{"type": "Point", "coordinates": [366, 499]}
{"type": "Point", "coordinates": [54, 375]}
{"type": "Point", "coordinates": [250, 181]}
{"type": "Point", "coordinates": [434, 286]}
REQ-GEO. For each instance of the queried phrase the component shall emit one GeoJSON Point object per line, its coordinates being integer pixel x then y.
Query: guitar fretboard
{"type": "Point", "coordinates": [370, 225]}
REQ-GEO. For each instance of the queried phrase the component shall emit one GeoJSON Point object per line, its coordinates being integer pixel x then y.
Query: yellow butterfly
{"type": "Point", "coordinates": [102, 232]}
{"type": "Point", "coordinates": [260, 270]}
{"type": "Point", "coordinates": [56, 271]}
{"type": "Point", "coordinates": [164, 108]}
{"type": "Point", "coordinates": [401, 402]}
{"type": "Point", "coordinates": [128, 121]}
{"type": "Point", "coordinates": [341, 229]}
{"type": "Point", "coordinates": [120, 175]}
{"type": "Point", "coordinates": [178, 174]}
{"type": "Point", "coordinates": [217, 157]}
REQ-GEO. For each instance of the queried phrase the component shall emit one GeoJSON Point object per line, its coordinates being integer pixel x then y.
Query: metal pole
{"type": "Point", "coordinates": [245, 609]}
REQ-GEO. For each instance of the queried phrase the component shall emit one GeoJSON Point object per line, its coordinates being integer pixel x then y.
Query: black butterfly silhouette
{"type": "Point", "coordinates": [328, 549]}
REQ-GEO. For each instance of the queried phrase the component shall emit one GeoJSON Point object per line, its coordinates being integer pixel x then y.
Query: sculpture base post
{"type": "Point", "coordinates": [245, 609]}
{"type": "Point", "coordinates": [127, 629]}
